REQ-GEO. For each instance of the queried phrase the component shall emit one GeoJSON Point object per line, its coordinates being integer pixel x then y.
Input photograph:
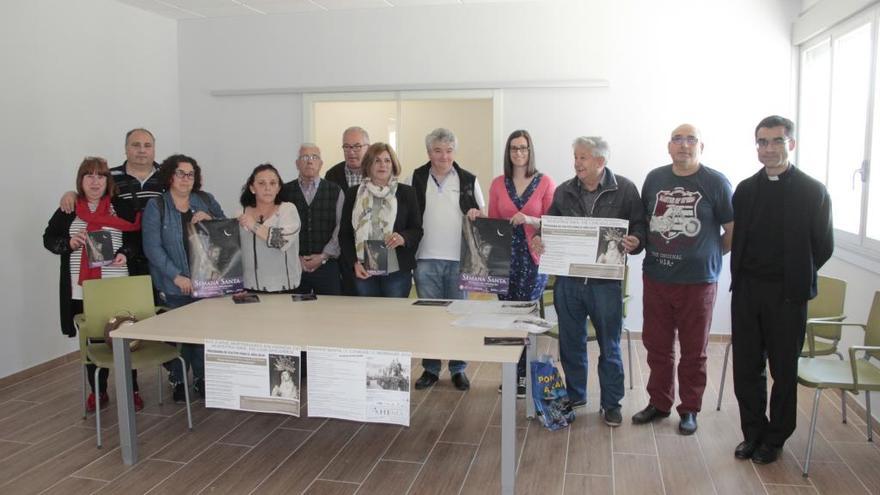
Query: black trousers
{"type": "Point", "coordinates": [325, 280]}
{"type": "Point", "coordinates": [766, 327]}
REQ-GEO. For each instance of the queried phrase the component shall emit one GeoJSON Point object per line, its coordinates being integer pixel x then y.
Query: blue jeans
{"type": "Point", "coordinates": [193, 354]}
{"type": "Point", "coordinates": [397, 284]}
{"type": "Point", "coordinates": [602, 303]}
{"type": "Point", "coordinates": [438, 279]}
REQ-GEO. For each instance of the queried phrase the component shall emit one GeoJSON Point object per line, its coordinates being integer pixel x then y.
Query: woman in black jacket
{"type": "Point", "coordinates": [381, 227]}
{"type": "Point", "coordinates": [98, 208]}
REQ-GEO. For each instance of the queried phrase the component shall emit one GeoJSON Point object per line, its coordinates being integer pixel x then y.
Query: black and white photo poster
{"type": "Point", "coordinates": [249, 376]}
{"type": "Point", "coordinates": [583, 247]}
{"type": "Point", "coordinates": [359, 384]}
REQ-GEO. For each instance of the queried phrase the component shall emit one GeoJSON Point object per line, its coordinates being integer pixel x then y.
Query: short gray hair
{"type": "Point", "coordinates": [307, 145]}
{"type": "Point", "coordinates": [598, 146]}
{"type": "Point", "coordinates": [359, 129]}
{"type": "Point", "coordinates": [441, 135]}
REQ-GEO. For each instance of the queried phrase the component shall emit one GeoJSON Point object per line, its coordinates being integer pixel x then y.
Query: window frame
{"type": "Point", "coordinates": [855, 248]}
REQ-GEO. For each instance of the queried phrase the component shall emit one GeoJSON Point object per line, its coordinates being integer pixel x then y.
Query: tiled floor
{"type": "Point", "coordinates": [452, 446]}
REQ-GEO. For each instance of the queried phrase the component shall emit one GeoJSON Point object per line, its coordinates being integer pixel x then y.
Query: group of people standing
{"type": "Point", "coordinates": [309, 236]}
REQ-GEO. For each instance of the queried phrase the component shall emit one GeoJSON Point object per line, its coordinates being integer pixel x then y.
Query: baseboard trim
{"type": "Point", "coordinates": [33, 371]}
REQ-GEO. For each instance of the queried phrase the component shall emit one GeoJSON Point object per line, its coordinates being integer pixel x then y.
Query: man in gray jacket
{"type": "Point", "coordinates": [597, 192]}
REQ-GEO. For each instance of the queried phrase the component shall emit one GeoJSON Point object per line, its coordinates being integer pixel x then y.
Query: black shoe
{"type": "Point", "coordinates": [648, 414]}
{"type": "Point", "coordinates": [199, 387]}
{"type": "Point", "coordinates": [426, 380]}
{"type": "Point", "coordinates": [460, 380]}
{"type": "Point", "coordinates": [612, 417]}
{"type": "Point", "coordinates": [688, 423]}
{"type": "Point", "coordinates": [577, 404]}
{"type": "Point", "coordinates": [520, 388]}
{"type": "Point", "coordinates": [766, 454]}
{"type": "Point", "coordinates": [745, 450]}
{"type": "Point", "coordinates": [179, 395]}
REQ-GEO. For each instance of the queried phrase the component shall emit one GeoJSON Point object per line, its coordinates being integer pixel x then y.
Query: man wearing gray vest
{"type": "Point", "coordinates": [319, 203]}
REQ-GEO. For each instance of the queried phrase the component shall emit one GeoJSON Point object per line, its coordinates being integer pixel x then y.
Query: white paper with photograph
{"type": "Point", "coordinates": [466, 306]}
{"type": "Point", "coordinates": [249, 376]}
{"type": "Point", "coordinates": [359, 384]}
{"type": "Point", "coordinates": [583, 247]}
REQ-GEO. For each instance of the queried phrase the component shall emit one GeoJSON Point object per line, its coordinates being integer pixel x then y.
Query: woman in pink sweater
{"type": "Point", "coordinates": [521, 195]}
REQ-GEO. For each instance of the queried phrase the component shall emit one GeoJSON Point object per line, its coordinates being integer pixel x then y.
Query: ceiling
{"type": "Point", "coordinates": [201, 9]}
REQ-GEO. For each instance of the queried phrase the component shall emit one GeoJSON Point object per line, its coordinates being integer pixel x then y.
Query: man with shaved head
{"type": "Point", "coordinates": [690, 215]}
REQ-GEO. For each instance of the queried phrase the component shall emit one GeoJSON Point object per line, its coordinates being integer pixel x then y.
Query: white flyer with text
{"type": "Point", "coordinates": [250, 376]}
{"type": "Point", "coordinates": [359, 384]}
{"type": "Point", "coordinates": [583, 247]}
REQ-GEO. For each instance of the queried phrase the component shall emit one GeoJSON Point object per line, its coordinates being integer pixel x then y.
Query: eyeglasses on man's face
{"type": "Point", "coordinates": [180, 174]}
{"type": "Point", "coordinates": [312, 157]}
{"type": "Point", "coordinates": [353, 147]}
{"type": "Point", "coordinates": [689, 140]}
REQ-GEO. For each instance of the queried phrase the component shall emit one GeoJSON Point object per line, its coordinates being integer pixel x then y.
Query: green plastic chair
{"type": "Point", "coordinates": [104, 299]}
{"type": "Point", "coordinates": [855, 375]}
{"type": "Point", "coordinates": [829, 307]}
{"type": "Point", "coordinates": [826, 307]}
{"type": "Point", "coordinates": [546, 300]}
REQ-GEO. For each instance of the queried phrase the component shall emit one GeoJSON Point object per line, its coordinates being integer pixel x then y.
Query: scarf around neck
{"type": "Point", "coordinates": [373, 205]}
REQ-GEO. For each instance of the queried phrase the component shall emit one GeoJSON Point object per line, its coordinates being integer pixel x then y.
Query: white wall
{"type": "Point", "coordinates": [76, 76]}
{"type": "Point", "coordinates": [720, 65]}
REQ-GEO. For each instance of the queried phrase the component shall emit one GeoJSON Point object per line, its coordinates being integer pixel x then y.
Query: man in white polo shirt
{"type": "Point", "coordinates": [446, 192]}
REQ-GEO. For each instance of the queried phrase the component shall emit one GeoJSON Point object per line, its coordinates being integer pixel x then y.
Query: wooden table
{"type": "Point", "coordinates": [332, 321]}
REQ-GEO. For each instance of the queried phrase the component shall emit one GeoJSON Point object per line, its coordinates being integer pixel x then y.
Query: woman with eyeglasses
{"type": "Point", "coordinates": [167, 249]}
{"type": "Point", "coordinates": [522, 195]}
{"type": "Point", "coordinates": [381, 227]}
{"type": "Point", "coordinates": [269, 231]}
{"type": "Point", "coordinates": [97, 208]}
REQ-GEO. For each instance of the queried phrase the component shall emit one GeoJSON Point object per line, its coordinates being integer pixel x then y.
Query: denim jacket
{"type": "Point", "coordinates": [163, 238]}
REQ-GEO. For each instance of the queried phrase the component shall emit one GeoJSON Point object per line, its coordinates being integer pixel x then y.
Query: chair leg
{"type": "Point", "coordinates": [98, 405]}
{"type": "Point", "coordinates": [159, 383]}
{"type": "Point", "coordinates": [189, 419]}
{"type": "Point", "coordinates": [629, 353]}
{"type": "Point", "coordinates": [843, 404]}
{"type": "Point", "coordinates": [868, 417]}
{"type": "Point", "coordinates": [723, 375]}
{"type": "Point", "coordinates": [85, 386]}
{"type": "Point", "coordinates": [812, 431]}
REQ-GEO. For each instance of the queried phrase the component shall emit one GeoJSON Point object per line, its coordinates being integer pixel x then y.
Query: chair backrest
{"type": "Point", "coordinates": [105, 298]}
{"type": "Point", "coordinates": [830, 299]}
{"type": "Point", "coordinates": [828, 303]}
{"type": "Point", "coordinates": [872, 330]}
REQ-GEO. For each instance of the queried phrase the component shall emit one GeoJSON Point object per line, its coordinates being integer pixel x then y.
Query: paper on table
{"type": "Point", "coordinates": [464, 306]}
{"type": "Point", "coordinates": [532, 324]}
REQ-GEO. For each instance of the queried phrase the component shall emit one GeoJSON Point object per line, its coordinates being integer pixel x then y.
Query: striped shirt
{"type": "Point", "coordinates": [79, 225]}
{"type": "Point", "coordinates": [130, 187]}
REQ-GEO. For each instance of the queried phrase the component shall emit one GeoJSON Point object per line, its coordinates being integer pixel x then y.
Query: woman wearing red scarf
{"type": "Point", "coordinates": [97, 208]}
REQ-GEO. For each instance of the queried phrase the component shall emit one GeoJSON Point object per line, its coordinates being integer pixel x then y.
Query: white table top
{"type": "Point", "coordinates": [331, 321]}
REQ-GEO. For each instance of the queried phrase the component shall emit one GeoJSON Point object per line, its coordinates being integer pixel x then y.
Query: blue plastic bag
{"type": "Point", "coordinates": [548, 391]}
